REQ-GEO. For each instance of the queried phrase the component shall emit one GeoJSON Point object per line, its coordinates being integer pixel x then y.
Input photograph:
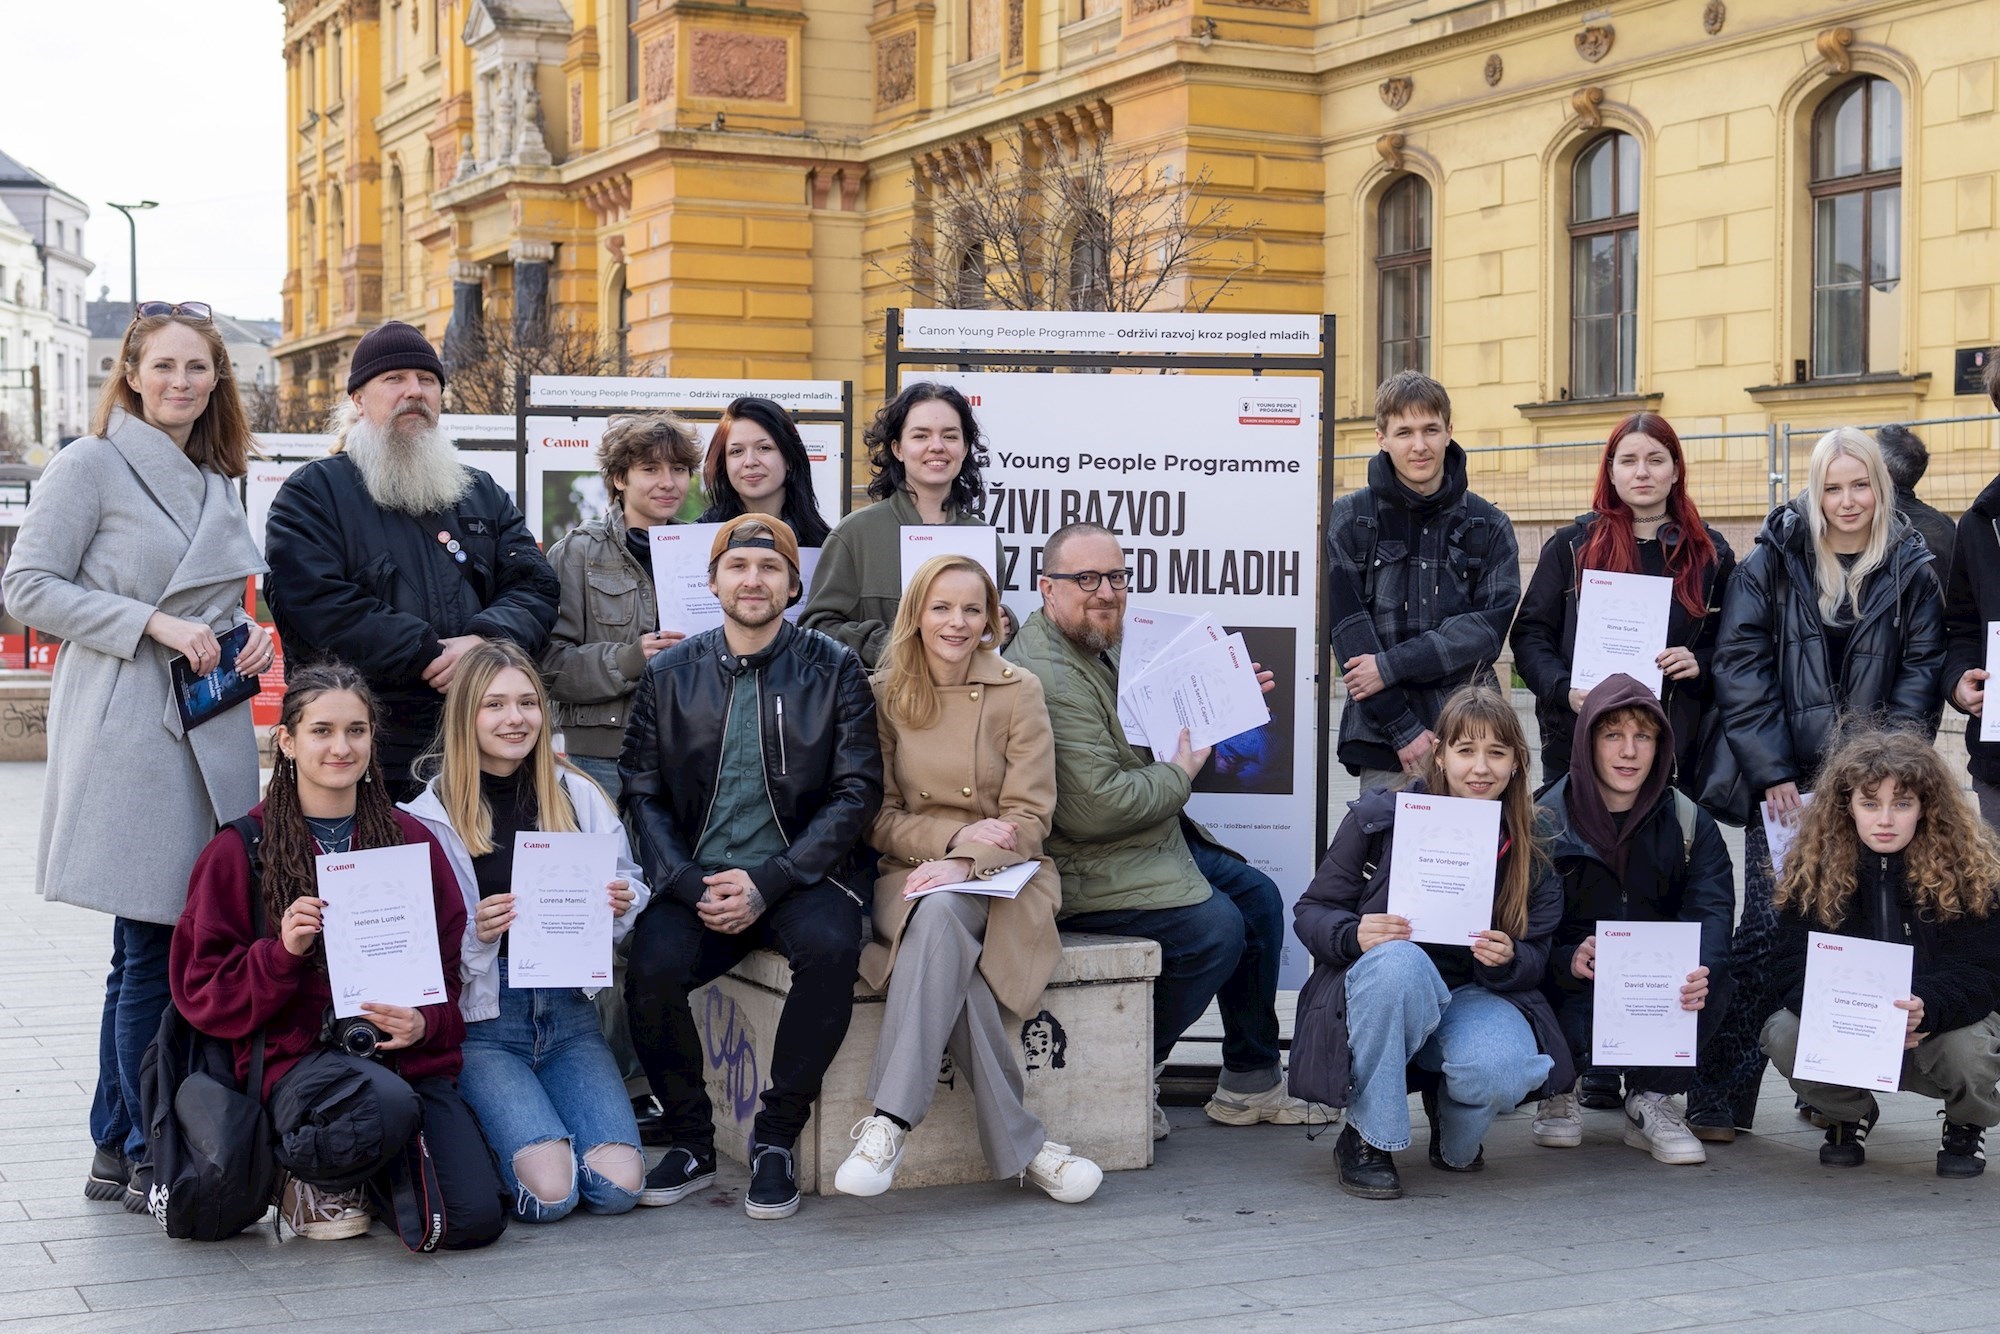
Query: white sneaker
{"type": "Point", "coordinates": [1067, 1178]}
{"type": "Point", "coordinates": [321, 1215]}
{"type": "Point", "coordinates": [1275, 1105]}
{"type": "Point", "coordinates": [878, 1151]}
{"type": "Point", "coordinates": [1161, 1126]}
{"type": "Point", "coordinates": [1558, 1122]}
{"type": "Point", "coordinates": [1655, 1124]}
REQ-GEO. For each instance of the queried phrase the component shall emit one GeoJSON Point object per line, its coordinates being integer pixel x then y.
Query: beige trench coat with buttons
{"type": "Point", "coordinates": [991, 755]}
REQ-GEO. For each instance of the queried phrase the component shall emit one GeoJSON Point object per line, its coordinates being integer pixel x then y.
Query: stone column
{"type": "Point", "coordinates": [531, 288]}
{"type": "Point", "coordinates": [466, 331]}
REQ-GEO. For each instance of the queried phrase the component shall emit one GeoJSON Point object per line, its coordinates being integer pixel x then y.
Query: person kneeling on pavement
{"type": "Point", "coordinates": [1468, 1025]}
{"type": "Point", "coordinates": [1631, 848]}
{"type": "Point", "coordinates": [1890, 849]}
{"type": "Point", "coordinates": [342, 1120]}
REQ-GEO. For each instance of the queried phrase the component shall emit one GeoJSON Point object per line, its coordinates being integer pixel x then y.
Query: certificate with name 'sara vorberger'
{"type": "Point", "coordinates": [1850, 1031]}
{"type": "Point", "coordinates": [380, 928]}
{"type": "Point", "coordinates": [1442, 866]}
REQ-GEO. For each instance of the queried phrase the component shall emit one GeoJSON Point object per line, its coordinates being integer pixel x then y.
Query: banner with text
{"type": "Point", "coordinates": [1212, 485]}
{"type": "Point", "coordinates": [1076, 331]}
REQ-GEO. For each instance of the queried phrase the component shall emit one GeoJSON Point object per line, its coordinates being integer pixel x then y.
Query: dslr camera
{"type": "Point", "coordinates": [353, 1035]}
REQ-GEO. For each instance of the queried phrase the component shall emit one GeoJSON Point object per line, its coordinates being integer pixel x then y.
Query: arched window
{"type": "Point", "coordinates": [1403, 278]}
{"type": "Point", "coordinates": [1857, 199]}
{"type": "Point", "coordinates": [631, 50]}
{"type": "Point", "coordinates": [335, 92]}
{"type": "Point", "coordinates": [970, 291]}
{"type": "Point", "coordinates": [1089, 267]}
{"type": "Point", "coordinates": [624, 328]}
{"type": "Point", "coordinates": [399, 241]}
{"type": "Point", "coordinates": [1604, 268]}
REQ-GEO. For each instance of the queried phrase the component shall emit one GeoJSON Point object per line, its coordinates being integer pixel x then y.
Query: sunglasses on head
{"type": "Point", "coordinates": [193, 310]}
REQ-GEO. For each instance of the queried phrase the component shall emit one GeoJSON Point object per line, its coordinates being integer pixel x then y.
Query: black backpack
{"type": "Point", "coordinates": [210, 1140]}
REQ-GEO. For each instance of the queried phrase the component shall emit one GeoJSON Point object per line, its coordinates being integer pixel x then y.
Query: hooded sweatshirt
{"type": "Point", "coordinates": [1589, 817]}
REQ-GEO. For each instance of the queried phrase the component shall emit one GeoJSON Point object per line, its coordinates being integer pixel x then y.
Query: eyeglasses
{"type": "Point", "coordinates": [1088, 581]}
{"type": "Point", "coordinates": [194, 310]}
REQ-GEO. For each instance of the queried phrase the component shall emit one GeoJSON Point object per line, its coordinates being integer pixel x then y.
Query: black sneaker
{"type": "Point", "coordinates": [1599, 1090]}
{"type": "Point", "coordinates": [1366, 1172]}
{"type": "Point", "coordinates": [680, 1173]}
{"type": "Point", "coordinates": [110, 1169]}
{"type": "Point", "coordinates": [138, 1189]}
{"type": "Point", "coordinates": [774, 1185]}
{"type": "Point", "coordinates": [1963, 1150]}
{"type": "Point", "coordinates": [1478, 1163]}
{"type": "Point", "coordinates": [1847, 1143]}
{"type": "Point", "coordinates": [652, 1124]}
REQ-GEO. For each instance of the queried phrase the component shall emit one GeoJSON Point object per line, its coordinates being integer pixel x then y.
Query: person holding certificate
{"type": "Point", "coordinates": [537, 1069]}
{"type": "Point", "coordinates": [1834, 614]}
{"type": "Point", "coordinates": [925, 448]}
{"type": "Point", "coordinates": [1631, 849]}
{"type": "Point", "coordinates": [968, 786]}
{"type": "Point", "coordinates": [1642, 520]}
{"type": "Point", "coordinates": [1971, 606]}
{"type": "Point", "coordinates": [757, 464]}
{"type": "Point", "coordinates": [1470, 1021]}
{"type": "Point", "coordinates": [345, 1096]}
{"type": "Point", "coordinates": [1891, 851]}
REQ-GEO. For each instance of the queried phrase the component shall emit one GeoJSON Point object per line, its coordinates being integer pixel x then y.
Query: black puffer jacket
{"type": "Point", "coordinates": [822, 760]}
{"type": "Point", "coordinates": [1544, 641]}
{"type": "Point", "coordinates": [375, 589]}
{"type": "Point", "coordinates": [1777, 697]}
{"type": "Point", "coordinates": [1955, 965]}
{"type": "Point", "coordinates": [1973, 600]}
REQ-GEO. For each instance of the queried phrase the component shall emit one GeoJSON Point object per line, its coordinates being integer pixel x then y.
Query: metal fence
{"type": "Point", "coordinates": [1965, 454]}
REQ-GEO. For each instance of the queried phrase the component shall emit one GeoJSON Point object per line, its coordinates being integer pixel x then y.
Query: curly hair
{"type": "Point", "coordinates": [644, 437]}
{"type": "Point", "coordinates": [1481, 712]}
{"type": "Point", "coordinates": [1951, 866]}
{"type": "Point", "coordinates": [968, 494]}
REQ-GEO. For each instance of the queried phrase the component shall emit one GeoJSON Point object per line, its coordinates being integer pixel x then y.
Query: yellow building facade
{"type": "Point", "coordinates": [1734, 212]}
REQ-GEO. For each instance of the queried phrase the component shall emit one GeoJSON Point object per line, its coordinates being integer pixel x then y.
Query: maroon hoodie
{"type": "Point", "coordinates": [1588, 817]}
{"type": "Point", "coordinates": [227, 984]}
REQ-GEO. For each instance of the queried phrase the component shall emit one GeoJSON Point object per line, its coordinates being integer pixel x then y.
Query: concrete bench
{"type": "Point", "coordinates": [24, 715]}
{"type": "Point", "coordinates": [1087, 1056]}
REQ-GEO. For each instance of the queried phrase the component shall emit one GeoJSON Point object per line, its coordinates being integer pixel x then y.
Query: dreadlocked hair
{"type": "Point", "coordinates": [289, 851]}
{"type": "Point", "coordinates": [1951, 866]}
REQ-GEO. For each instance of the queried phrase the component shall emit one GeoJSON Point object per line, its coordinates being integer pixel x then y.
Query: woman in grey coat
{"type": "Point", "coordinates": [134, 551]}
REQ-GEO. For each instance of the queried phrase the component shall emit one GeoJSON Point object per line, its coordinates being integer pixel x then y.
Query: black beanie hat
{"type": "Point", "coordinates": [392, 346]}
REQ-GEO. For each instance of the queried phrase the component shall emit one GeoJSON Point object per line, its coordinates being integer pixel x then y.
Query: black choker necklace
{"type": "Point", "coordinates": [1649, 518]}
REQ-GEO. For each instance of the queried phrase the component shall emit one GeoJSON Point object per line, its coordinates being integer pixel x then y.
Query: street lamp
{"type": "Point", "coordinates": [128, 210]}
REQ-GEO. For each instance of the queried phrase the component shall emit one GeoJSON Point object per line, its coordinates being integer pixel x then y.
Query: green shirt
{"type": "Point", "coordinates": [742, 832]}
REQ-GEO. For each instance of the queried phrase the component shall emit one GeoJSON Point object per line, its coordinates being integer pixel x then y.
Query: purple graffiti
{"type": "Point", "coordinates": [732, 1050]}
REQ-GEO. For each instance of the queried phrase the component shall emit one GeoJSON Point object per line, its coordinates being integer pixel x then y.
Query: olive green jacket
{"type": "Point", "coordinates": [859, 582]}
{"type": "Point", "coordinates": [1119, 836]}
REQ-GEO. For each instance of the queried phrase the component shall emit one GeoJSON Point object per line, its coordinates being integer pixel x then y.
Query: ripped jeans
{"type": "Point", "coordinates": [552, 1104]}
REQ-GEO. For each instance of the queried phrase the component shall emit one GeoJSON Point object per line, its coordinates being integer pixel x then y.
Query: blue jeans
{"type": "Point", "coordinates": [135, 995]}
{"type": "Point", "coordinates": [1399, 1011]}
{"type": "Point", "coordinates": [1226, 949]}
{"type": "Point", "coordinates": [540, 1071]}
{"type": "Point", "coordinates": [604, 772]}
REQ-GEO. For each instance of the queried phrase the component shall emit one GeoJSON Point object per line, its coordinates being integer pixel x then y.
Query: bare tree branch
{"type": "Point", "coordinates": [481, 372]}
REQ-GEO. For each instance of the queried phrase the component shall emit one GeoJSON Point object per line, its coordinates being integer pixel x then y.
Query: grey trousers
{"type": "Point", "coordinates": [1960, 1067]}
{"type": "Point", "coordinates": [1373, 778]}
{"type": "Point", "coordinates": [939, 1003]}
{"type": "Point", "coordinates": [1988, 797]}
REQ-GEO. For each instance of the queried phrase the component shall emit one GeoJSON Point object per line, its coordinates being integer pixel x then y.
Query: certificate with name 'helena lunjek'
{"type": "Point", "coordinates": [380, 928]}
{"type": "Point", "coordinates": [1442, 866]}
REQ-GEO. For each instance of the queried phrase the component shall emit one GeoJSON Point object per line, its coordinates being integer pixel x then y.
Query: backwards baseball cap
{"type": "Point", "coordinates": [756, 530]}
{"type": "Point", "coordinates": [392, 346]}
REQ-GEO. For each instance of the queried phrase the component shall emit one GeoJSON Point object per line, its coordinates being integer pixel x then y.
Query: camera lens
{"type": "Point", "coordinates": [359, 1039]}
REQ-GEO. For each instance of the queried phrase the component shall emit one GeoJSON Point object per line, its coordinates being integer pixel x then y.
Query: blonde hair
{"type": "Point", "coordinates": [909, 696]}
{"type": "Point", "coordinates": [1836, 584]}
{"type": "Point", "coordinates": [454, 757]}
{"type": "Point", "coordinates": [1482, 711]}
{"type": "Point", "coordinates": [1951, 866]}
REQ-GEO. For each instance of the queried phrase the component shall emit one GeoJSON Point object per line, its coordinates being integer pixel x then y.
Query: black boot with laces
{"type": "Point", "coordinates": [1366, 1172]}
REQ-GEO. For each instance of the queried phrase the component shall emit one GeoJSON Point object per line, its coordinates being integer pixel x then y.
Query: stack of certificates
{"type": "Point", "coordinates": [1179, 671]}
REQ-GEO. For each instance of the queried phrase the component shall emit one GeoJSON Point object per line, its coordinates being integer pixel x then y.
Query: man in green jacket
{"type": "Point", "coordinates": [1132, 862]}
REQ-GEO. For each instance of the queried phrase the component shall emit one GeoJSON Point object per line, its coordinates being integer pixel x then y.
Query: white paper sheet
{"type": "Point", "coordinates": [1153, 636]}
{"type": "Point", "coordinates": [680, 576]}
{"type": "Point", "coordinates": [1211, 690]}
{"type": "Point", "coordinates": [1636, 1016]}
{"type": "Point", "coordinates": [561, 934]}
{"type": "Point", "coordinates": [922, 541]}
{"type": "Point", "coordinates": [1442, 865]}
{"type": "Point", "coordinates": [1850, 1031]}
{"type": "Point", "coordinates": [380, 928]}
{"type": "Point", "coordinates": [1989, 719]}
{"type": "Point", "coordinates": [1779, 833]}
{"type": "Point", "coordinates": [1621, 626]}
{"type": "Point", "coordinates": [1005, 884]}
{"type": "Point", "coordinates": [808, 562]}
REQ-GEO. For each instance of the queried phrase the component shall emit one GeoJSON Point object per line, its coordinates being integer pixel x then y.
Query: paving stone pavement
{"type": "Point", "coordinates": [1231, 1228]}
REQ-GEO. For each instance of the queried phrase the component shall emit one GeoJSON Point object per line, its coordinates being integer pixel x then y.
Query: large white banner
{"type": "Point", "coordinates": [1076, 331]}
{"type": "Point", "coordinates": [1212, 485]}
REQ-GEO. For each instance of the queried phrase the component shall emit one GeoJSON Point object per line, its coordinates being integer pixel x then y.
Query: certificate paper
{"type": "Point", "coordinates": [1850, 1031]}
{"type": "Point", "coordinates": [680, 577]}
{"type": "Point", "coordinates": [1152, 636]}
{"type": "Point", "coordinates": [1005, 884]}
{"type": "Point", "coordinates": [1212, 691]}
{"type": "Point", "coordinates": [1442, 865]}
{"type": "Point", "coordinates": [1636, 1016]}
{"type": "Point", "coordinates": [1621, 626]}
{"type": "Point", "coordinates": [1989, 719]}
{"type": "Point", "coordinates": [922, 541]}
{"type": "Point", "coordinates": [808, 564]}
{"type": "Point", "coordinates": [561, 934]}
{"type": "Point", "coordinates": [380, 928]}
{"type": "Point", "coordinates": [1779, 832]}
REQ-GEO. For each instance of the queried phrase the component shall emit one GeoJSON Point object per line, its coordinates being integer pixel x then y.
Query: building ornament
{"type": "Point", "coordinates": [1594, 42]}
{"type": "Point", "coordinates": [1833, 47]}
{"type": "Point", "coordinates": [1495, 69]}
{"type": "Point", "coordinates": [1587, 103]}
{"type": "Point", "coordinates": [1390, 148]}
{"type": "Point", "coordinates": [1396, 91]}
{"type": "Point", "coordinates": [1713, 16]}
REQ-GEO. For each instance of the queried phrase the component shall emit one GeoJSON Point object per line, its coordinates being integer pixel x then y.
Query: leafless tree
{"type": "Point", "coordinates": [482, 370]}
{"type": "Point", "coordinates": [1069, 227]}
{"type": "Point", "coordinates": [270, 411]}
{"type": "Point", "coordinates": [11, 444]}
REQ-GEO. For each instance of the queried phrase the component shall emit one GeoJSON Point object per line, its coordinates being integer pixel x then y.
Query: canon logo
{"type": "Point", "coordinates": [1822, 945]}
{"type": "Point", "coordinates": [343, 866]}
{"type": "Point", "coordinates": [535, 845]}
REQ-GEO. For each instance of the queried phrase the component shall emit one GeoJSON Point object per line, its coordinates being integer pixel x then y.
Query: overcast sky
{"type": "Point", "coordinates": [151, 99]}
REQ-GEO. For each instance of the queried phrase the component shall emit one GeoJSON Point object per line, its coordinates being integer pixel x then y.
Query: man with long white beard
{"type": "Point", "coordinates": [392, 556]}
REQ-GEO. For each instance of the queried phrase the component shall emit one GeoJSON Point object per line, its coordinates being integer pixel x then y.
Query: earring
{"type": "Point", "coordinates": [368, 778]}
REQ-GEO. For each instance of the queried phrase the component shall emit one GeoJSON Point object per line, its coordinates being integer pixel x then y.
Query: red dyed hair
{"type": "Point", "coordinates": [1611, 545]}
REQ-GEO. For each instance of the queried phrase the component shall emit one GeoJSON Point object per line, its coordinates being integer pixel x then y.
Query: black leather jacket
{"type": "Point", "coordinates": [1771, 679]}
{"type": "Point", "coordinates": [822, 760]}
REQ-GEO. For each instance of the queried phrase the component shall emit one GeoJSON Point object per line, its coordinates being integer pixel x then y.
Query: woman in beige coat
{"type": "Point", "coordinates": [969, 782]}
